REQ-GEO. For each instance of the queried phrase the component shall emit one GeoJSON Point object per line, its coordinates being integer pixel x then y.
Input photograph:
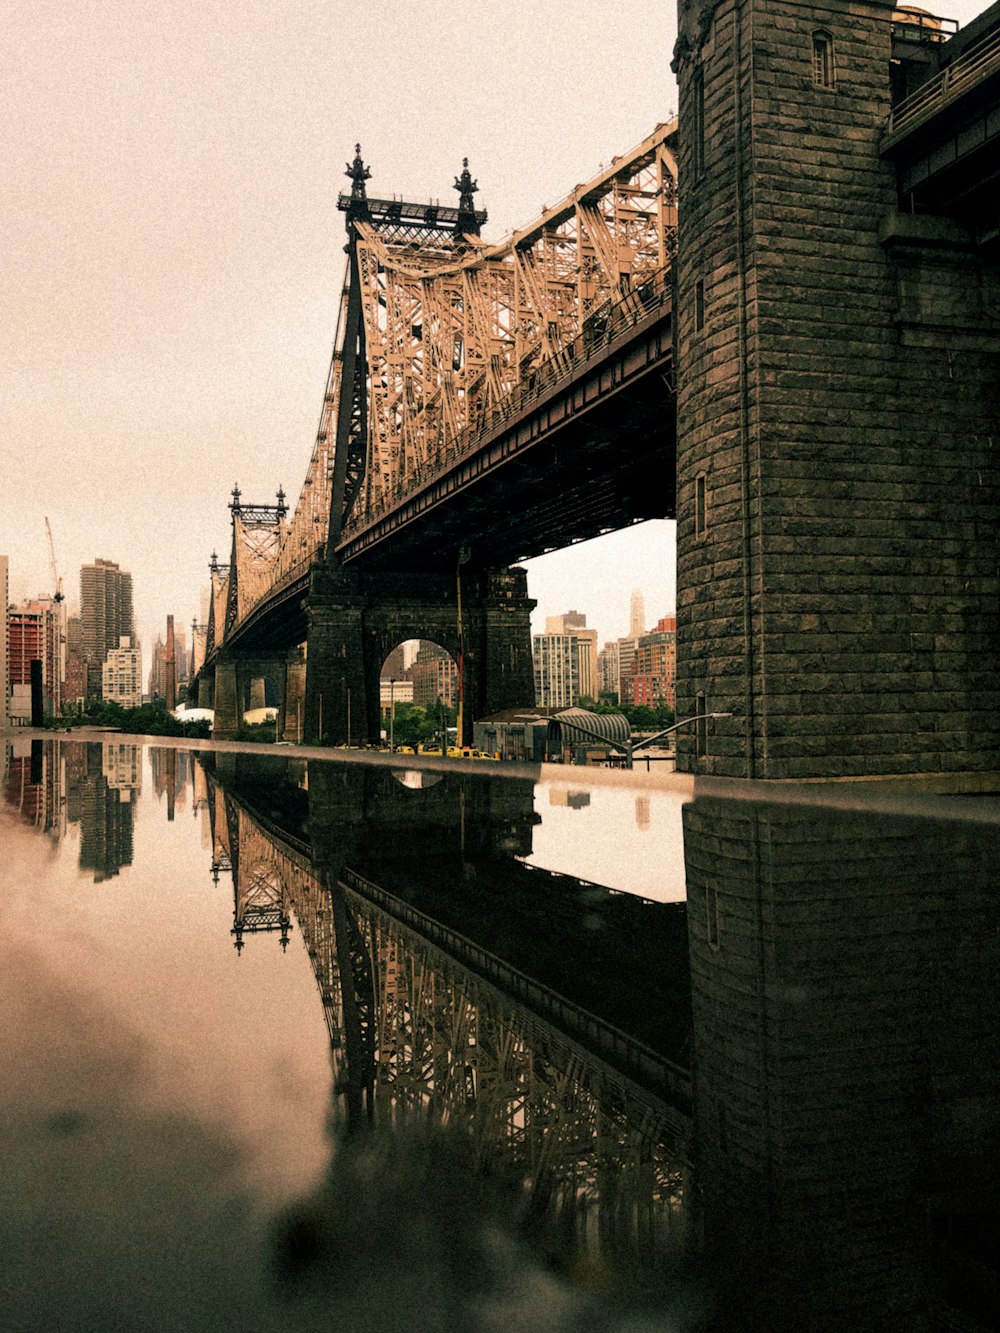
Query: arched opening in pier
{"type": "Point", "coordinates": [418, 696]}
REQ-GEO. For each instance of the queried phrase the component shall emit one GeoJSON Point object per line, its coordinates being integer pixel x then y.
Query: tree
{"type": "Point", "coordinates": [412, 724]}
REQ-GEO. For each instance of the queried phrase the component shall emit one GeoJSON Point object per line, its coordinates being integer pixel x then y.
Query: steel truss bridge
{"type": "Point", "coordinates": [484, 403]}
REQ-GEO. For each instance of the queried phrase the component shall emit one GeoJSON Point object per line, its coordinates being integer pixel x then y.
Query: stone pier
{"type": "Point", "coordinates": [838, 586]}
{"type": "Point", "coordinates": [228, 714]}
{"type": "Point", "coordinates": [356, 620]}
{"type": "Point", "coordinates": [290, 711]}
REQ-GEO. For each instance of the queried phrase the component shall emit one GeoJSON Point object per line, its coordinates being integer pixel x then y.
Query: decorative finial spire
{"type": "Point", "coordinates": [235, 506]}
{"type": "Point", "coordinates": [213, 562]}
{"type": "Point", "coordinates": [358, 173]}
{"type": "Point", "coordinates": [282, 507]}
{"type": "Point", "coordinates": [468, 223]}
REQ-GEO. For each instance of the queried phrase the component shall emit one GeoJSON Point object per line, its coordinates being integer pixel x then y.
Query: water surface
{"type": "Point", "coordinates": [297, 1044]}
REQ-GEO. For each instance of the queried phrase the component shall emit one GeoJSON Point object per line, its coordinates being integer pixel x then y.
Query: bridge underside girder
{"type": "Point", "coordinates": [595, 454]}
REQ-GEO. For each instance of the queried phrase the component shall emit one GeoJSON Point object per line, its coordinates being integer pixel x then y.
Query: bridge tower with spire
{"type": "Point", "coordinates": [481, 615]}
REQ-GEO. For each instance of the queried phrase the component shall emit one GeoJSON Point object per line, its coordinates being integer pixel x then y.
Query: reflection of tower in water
{"type": "Point", "coordinates": [34, 784]}
{"type": "Point", "coordinates": [101, 784]}
{"type": "Point", "coordinates": [170, 776]}
{"type": "Point", "coordinates": [844, 969]}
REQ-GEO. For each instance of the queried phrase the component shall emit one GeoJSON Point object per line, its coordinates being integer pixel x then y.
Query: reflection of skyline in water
{"type": "Point", "coordinates": [170, 777]}
{"type": "Point", "coordinates": [53, 786]}
{"type": "Point", "coordinates": [836, 1161]}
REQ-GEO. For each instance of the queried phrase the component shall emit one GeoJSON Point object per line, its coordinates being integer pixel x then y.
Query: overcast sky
{"type": "Point", "coordinates": [173, 254]}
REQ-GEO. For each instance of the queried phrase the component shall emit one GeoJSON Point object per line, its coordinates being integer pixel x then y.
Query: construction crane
{"type": "Point", "coordinates": [57, 581]}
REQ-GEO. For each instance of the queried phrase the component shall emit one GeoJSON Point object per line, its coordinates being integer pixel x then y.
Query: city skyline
{"type": "Point", "coordinates": [588, 573]}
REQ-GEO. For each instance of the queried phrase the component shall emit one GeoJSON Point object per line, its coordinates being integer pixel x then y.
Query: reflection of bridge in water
{"type": "Point", "coordinates": [843, 1128]}
{"type": "Point", "coordinates": [426, 1020]}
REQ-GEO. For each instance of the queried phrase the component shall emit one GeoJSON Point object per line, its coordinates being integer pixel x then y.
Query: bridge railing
{"type": "Point", "coordinates": [604, 326]}
{"type": "Point", "coordinates": [972, 67]}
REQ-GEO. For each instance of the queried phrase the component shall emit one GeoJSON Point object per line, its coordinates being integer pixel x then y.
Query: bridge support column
{"type": "Point", "coordinates": [335, 696]}
{"type": "Point", "coordinates": [253, 673]}
{"type": "Point", "coordinates": [356, 620]}
{"type": "Point", "coordinates": [290, 710]}
{"type": "Point", "coordinates": [206, 690]}
{"type": "Point", "coordinates": [838, 480]}
{"type": "Point", "coordinates": [497, 666]}
{"type": "Point", "coordinates": [228, 714]}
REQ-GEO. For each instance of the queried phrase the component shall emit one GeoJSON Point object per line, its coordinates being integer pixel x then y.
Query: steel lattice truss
{"type": "Point", "coordinates": [256, 543]}
{"type": "Point", "coordinates": [454, 329]}
{"type": "Point", "coordinates": [304, 541]}
{"type": "Point", "coordinates": [218, 601]}
{"type": "Point", "coordinates": [199, 638]}
{"type": "Point", "coordinates": [437, 1040]}
{"type": "Point", "coordinates": [454, 334]}
{"type": "Point", "coordinates": [451, 1045]}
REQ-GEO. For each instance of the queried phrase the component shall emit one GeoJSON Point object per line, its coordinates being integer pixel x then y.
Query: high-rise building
{"type": "Point", "coordinates": [556, 662]}
{"type": "Point", "coordinates": [170, 663]}
{"type": "Point", "coordinates": [34, 634]}
{"type": "Point", "coordinates": [121, 680]}
{"type": "Point", "coordinates": [75, 675]}
{"type": "Point", "coordinates": [393, 667]}
{"type": "Point", "coordinates": [608, 668]}
{"type": "Point", "coordinates": [105, 614]}
{"type": "Point", "coordinates": [157, 670]}
{"type": "Point", "coordinates": [433, 680]}
{"type": "Point", "coordinates": [636, 615]}
{"type": "Point", "coordinates": [4, 675]}
{"type": "Point", "coordinates": [160, 669]}
{"type": "Point", "coordinates": [651, 679]}
{"type": "Point", "coordinates": [183, 660]}
{"type": "Point", "coordinates": [574, 624]}
{"type": "Point", "coordinates": [434, 674]}
{"type": "Point", "coordinates": [627, 649]}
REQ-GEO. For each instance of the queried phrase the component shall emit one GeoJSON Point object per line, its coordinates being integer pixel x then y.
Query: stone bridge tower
{"type": "Point", "coordinates": [838, 416]}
